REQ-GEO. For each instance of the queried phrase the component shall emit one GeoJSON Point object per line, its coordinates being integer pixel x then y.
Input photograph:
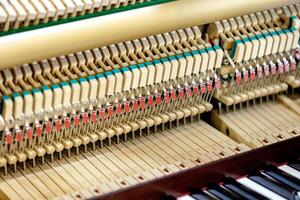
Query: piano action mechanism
{"type": "Point", "coordinates": [123, 98]}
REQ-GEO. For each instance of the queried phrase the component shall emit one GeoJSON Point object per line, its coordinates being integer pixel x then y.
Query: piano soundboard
{"type": "Point", "coordinates": [149, 99]}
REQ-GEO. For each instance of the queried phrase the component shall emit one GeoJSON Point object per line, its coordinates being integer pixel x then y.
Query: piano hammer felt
{"type": "Point", "coordinates": [67, 38]}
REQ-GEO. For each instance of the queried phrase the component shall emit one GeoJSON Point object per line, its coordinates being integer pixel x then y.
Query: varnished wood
{"type": "Point", "coordinates": [234, 166]}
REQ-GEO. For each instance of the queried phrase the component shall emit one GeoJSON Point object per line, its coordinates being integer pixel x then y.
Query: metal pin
{"type": "Point", "coordinates": [117, 139]}
{"type": "Point", "coordinates": [43, 160]}
{"type": "Point", "coordinates": [170, 124]}
{"type": "Point", "coordinates": [24, 165]}
{"type": "Point", "coordinates": [220, 108]}
{"type": "Point", "coordinates": [33, 162]}
{"type": "Point", "coordinates": [5, 170]}
{"type": "Point", "coordinates": [93, 146]}
{"type": "Point", "coordinates": [260, 100]}
{"type": "Point", "coordinates": [109, 141]}
{"type": "Point", "coordinates": [15, 167]}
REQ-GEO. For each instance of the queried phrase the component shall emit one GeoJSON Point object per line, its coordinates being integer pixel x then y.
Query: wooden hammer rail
{"type": "Point", "coordinates": [44, 43]}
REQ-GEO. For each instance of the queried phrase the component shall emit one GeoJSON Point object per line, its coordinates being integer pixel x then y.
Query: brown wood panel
{"type": "Point", "coordinates": [234, 166]}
